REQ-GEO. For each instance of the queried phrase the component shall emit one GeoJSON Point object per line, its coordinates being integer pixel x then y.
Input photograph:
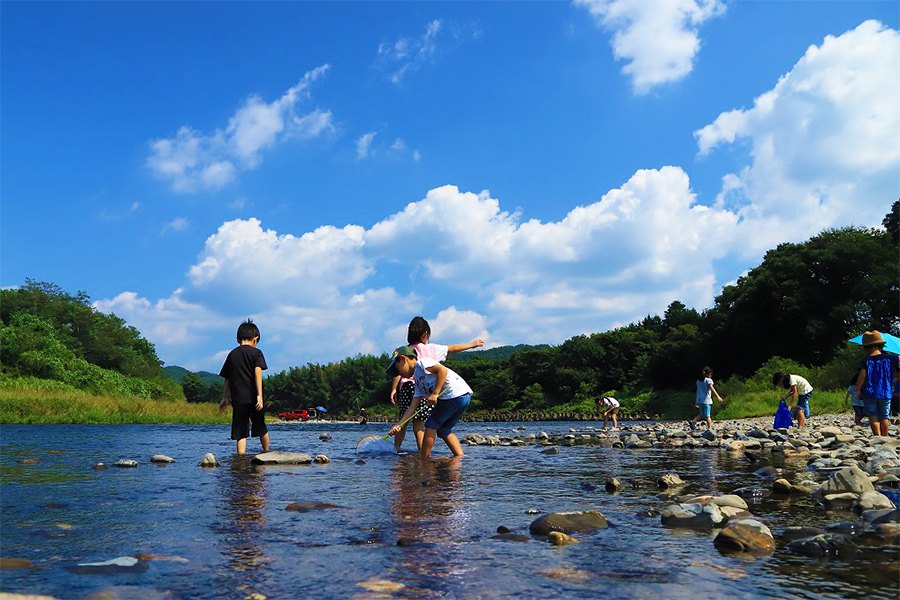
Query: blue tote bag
{"type": "Point", "coordinates": [783, 418]}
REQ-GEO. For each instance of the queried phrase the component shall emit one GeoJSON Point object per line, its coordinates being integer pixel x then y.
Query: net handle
{"type": "Point", "coordinates": [402, 423]}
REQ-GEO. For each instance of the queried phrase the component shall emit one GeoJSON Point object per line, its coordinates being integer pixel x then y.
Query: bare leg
{"type": "Point", "coordinates": [398, 438]}
{"type": "Point", "coordinates": [419, 431]}
{"type": "Point", "coordinates": [709, 422]}
{"type": "Point", "coordinates": [885, 427]}
{"type": "Point", "coordinates": [605, 419]}
{"type": "Point", "coordinates": [242, 446]}
{"type": "Point", "coordinates": [428, 442]}
{"type": "Point", "coordinates": [615, 420]}
{"type": "Point", "coordinates": [875, 424]}
{"type": "Point", "coordinates": [453, 443]}
{"type": "Point", "coordinates": [801, 416]}
{"type": "Point", "coordinates": [264, 440]}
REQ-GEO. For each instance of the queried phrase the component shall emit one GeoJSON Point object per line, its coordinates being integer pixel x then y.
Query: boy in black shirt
{"type": "Point", "coordinates": [243, 378]}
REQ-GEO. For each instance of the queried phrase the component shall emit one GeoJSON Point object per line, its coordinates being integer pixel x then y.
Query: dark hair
{"type": "Point", "coordinates": [704, 373]}
{"type": "Point", "coordinates": [782, 379]}
{"type": "Point", "coordinates": [247, 331]}
{"type": "Point", "coordinates": [418, 327]}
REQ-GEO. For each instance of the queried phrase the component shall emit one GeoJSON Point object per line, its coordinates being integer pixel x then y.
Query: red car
{"type": "Point", "coordinates": [294, 415]}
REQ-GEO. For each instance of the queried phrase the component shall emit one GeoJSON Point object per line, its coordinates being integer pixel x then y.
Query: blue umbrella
{"type": "Point", "coordinates": [892, 342]}
{"type": "Point", "coordinates": [321, 409]}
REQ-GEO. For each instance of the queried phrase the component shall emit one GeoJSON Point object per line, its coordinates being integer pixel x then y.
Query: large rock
{"type": "Point", "coordinates": [799, 533]}
{"type": "Point", "coordinates": [568, 522]}
{"type": "Point", "coordinates": [282, 458]}
{"type": "Point", "coordinates": [692, 516]}
{"type": "Point", "coordinates": [827, 544]}
{"type": "Point", "coordinates": [849, 479]}
{"type": "Point", "coordinates": [872, 501]}
{"type": "Point", "coordinates": [729, 500]}
{"type": "Point", "coordinates": [161, 458]}
{"type": "Point", "coordinates": [668, 480]}
{"type": "Point", "coordinates": [746, 535]}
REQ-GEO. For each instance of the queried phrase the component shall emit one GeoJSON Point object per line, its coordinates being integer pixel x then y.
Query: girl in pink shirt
{"type": "Point", "coordinates": [418, 335]}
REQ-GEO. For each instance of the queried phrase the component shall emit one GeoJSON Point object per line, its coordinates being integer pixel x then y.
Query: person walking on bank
{"type": "Point", "coordinates": [703, 402]}
{"type": "Point", "coordinates": [875, 382]}
{"type": "Point", "coordinates": [855, 401]}
{"type": "Point", "coordinates": [242, 372]}
{"type": "Point", "coordinates": [800, 393]}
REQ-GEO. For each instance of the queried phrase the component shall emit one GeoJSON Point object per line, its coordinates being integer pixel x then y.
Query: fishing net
{"type": "Point", "coordinates": [375, 444]}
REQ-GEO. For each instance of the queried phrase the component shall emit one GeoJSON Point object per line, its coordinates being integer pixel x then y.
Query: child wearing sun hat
{"type": "Point", "coordinates": [875, 383]}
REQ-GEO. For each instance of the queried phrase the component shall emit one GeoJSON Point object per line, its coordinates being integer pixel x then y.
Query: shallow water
{"type": "Point", "coordinates": [226, 532]}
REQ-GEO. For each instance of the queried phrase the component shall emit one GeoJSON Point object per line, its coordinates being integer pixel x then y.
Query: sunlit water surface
{"type": "Point", "coordinates": [225, 532]}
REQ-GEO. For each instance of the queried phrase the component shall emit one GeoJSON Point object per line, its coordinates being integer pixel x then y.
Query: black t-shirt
{"type": "Point", "coordinates": [240, 371]}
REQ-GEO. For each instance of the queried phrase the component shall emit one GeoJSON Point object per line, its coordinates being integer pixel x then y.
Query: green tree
{"type": "Point", "coordinates": [195, 390]}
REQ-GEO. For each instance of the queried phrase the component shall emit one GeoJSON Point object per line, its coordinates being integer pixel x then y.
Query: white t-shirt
{"type": "Point", "coordinates": [610, 401]}
{"type": "Point", "coordinates": [704, 395]}
{"type": "Point", "coordinates": [454, 385]}
{"type": "Point", "coordinates": [803, 386]}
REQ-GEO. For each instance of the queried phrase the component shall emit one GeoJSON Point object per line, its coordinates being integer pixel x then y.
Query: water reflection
{"type": "Point", "coordinates": [429, 512]}
{"type": "Point", "coordinates": [242, 522]}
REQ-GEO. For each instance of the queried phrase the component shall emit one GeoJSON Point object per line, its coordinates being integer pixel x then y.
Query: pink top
{"type": "Point", "coordinates": [436, 352]}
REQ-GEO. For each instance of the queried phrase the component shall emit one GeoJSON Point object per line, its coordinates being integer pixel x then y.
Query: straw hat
{"type": "Point", "coordinates": [872, 338]}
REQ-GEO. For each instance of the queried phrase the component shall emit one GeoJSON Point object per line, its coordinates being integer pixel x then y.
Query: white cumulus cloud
{"type": "Point", "coordinates": [823, 142]}
{"type": "Point", "coordinates": [658, 39]}
{"type": "Point", "coordinates": [193, 161]}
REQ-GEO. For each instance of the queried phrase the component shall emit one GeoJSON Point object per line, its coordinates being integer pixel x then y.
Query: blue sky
{"type": "Point", "coordinates": [517, 171]}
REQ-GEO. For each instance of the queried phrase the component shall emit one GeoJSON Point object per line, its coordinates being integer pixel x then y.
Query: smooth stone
{"type": "Point", "coordinates": [877, 517]}
{"type": "Point", "coordinates": [307, 506]}
{"type": "Point", "coordinates": [557, 538]}
{"type": "Point", "coordinates": [729, 500]}
{"type": "Point", "coordinates": [321, 459]}
{"type": "Point", "coordinates": [161, 458]}
{"type": "Point", "coordinates": [503, 529]}
{"type": "Point", "coordinates": [843, 500]}
{"type": "Point", "coordinates": [532, 511]}
{"type": "Point", "coordinates": [745, 535]}
{"type": "Point", "coordinates": [407, 541]}
{"type": "Point", "coordinates": [282, 458]}
{"type": "Point", "coordinates": [710, 435]}
{"type": "Point", "coordinates": [872, 501]}
{"type": "Point", "coordinates": [325, 437]}
{"type": "Point", "coordinates": [826, 544]}
{"type": "Point", "coordinates": [767, 473]}
{"type": "Point", "coordinates": [889, 530]}
{"type": "Point", "coordinates": [849, 479]}
{"type": "Point", "coordinates": [798, 533]}
{"type": "Point", "coordinates": [846, 528]}
{"type": "Point", "coordinates": [209, 461]}
{"type": "Point", "coordinates": [551, 450]}
{"type": "Point", "coordinates": [126, 464]}
{"type": "Point", "coordinates": [568, 522]}
{"type": "Point", "coordinates": [732, 512]}
{"type": "Point", "coordinates": [692, 516]}
{"type": "Point", "coordinates": [613, 485]}
{"type": "Point", "coordinates": [668, 480]}
{"type": "Point", "coordinates": [100, 467]}
{"type": "Point", "coordinates": [14, 563]}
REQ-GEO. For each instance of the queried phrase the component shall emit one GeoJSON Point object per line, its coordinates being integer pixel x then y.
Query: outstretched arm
{"type": "Point", "coordinates": [461, 347]}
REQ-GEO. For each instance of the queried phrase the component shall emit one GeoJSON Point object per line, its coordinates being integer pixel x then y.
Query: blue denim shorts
{"type": "Point", "coordinates": [803, 403]}
{"type": "Point", "coordinates": [705, 410]}
{"type": "Point", "coordinates": [880, 409]}
{"type": "Point", "coordinates": [447, 413]}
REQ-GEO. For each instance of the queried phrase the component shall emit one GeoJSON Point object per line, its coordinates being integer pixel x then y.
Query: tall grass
{"type": "Point", "coordinates": [50, 402]}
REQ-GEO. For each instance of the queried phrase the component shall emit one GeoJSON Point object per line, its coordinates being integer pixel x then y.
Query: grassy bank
{"type": "Point", "coordinates": [40, 403]}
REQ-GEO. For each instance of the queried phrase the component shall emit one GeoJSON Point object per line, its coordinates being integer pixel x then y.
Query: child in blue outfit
{"type": "Point", "coordinates": [703, 401]}
{"type": "Point", "coordinates": [875, 382]}
{"type": "Point", "coordinates": [440, 387]}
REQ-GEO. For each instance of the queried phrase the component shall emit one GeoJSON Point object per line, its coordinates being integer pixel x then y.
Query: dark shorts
{"type": "Point", "coordinates": [447, 413]}
{"type": "Point", "coordinates": [858, 412]}
{"type": "Point", "coordinates": [242, 416]}
{"type": "Point", "coordinates": [877, 409]}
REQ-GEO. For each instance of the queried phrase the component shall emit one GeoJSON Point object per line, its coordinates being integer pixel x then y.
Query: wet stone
{"type": "Point", "coordinates": [161, 458]}
{"type": "Point", "coordinates": [126, 464]}
{"type": "Point", "coordinates": [307, 506]}
{"type": "Point", "coordinates": [209, 461]}
{"type": "Point", "coordinates": [282, 458]}
{"type": "Point", "coordinates": [825, 545]}
{"type": "Point", "coordinates": [568, 522]}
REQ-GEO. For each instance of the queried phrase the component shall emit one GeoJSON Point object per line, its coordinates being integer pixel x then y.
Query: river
{"type": "Point", "coordinates": [226, 533]}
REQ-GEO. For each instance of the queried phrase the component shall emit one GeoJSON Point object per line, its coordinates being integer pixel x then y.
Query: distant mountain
{"type": "Point", "coordinates": [176, 373]}
{"type": "Point", "coordinates": [501, 353]}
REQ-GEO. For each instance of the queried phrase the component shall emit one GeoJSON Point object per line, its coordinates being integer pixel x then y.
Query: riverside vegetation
{"type": "Point", "coordinates": [64, 362]}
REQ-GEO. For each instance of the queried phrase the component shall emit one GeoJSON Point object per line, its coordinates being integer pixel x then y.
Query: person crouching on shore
{"type": "Point", "coordinates": [440, 387]}
{"type": "Point", "coordinates": [612, 409]}
{"type": "Point", "coordinates": [800, 393]}
{"type": "Point", "coordinates": [875, 383]}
